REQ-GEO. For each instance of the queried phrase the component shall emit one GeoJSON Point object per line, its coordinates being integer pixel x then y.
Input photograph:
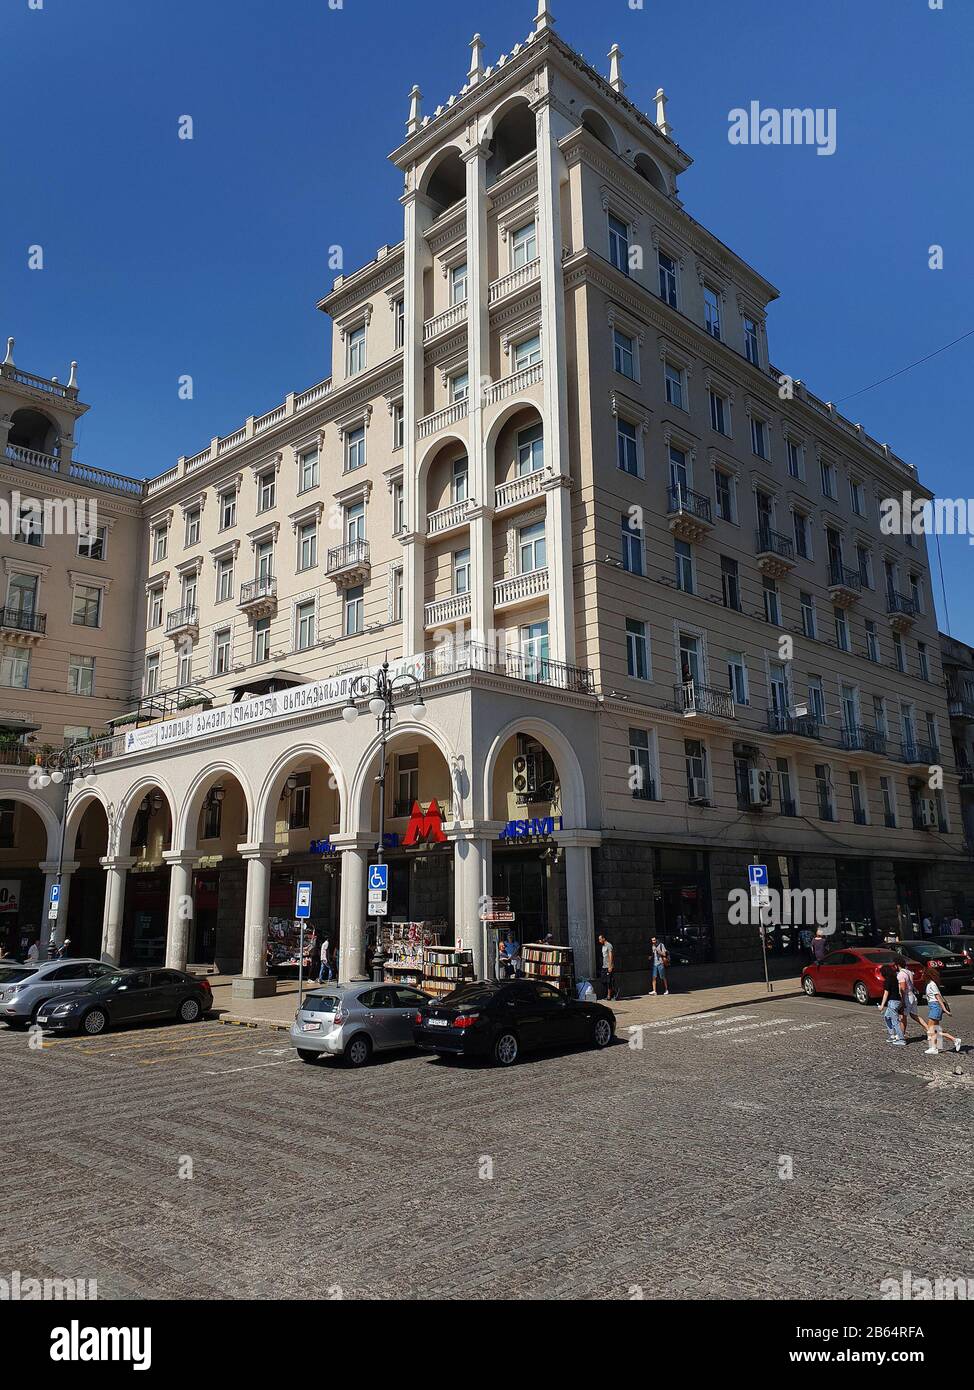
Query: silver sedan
{"type": "Point", "coordinates": [352, 1021]}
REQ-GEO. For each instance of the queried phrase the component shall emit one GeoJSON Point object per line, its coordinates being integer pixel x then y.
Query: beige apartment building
{"type": "Point", "coordinates": [638, 571]}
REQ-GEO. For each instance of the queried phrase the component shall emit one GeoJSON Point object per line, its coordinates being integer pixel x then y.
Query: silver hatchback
{"type": "Point", "coordinates": [24, 988]}
{"type": "Point", "coordinates": [352, 1021]}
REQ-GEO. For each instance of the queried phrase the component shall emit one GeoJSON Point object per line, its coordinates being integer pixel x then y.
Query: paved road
{"type": "Point", "coordinates": [654, 1169]}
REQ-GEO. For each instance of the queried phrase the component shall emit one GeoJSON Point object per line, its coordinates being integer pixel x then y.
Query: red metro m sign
{"type": "Point", "coordinates": [424, 825]}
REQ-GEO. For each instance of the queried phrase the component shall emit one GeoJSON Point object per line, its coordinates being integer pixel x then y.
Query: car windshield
{"type": "Point", "coordinates": [9, 973]}
{"type": "Point", "coordinates": [478, 993]}
{"type": "Point", "coordinates": [929, 952]}
{"type": "Point", "coordinates": [103, 985]}
{"type": "Point", "coordinates": [321, 1003]}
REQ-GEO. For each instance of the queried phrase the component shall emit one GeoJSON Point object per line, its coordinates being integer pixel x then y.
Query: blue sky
{"type": "Point", "coordinates": [164, 257]}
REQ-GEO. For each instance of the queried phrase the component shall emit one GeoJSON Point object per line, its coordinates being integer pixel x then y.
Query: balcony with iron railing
{"type": "Point", "coordinates": [21, 624]}
{"type": "Point", "coordinates": [859, 739]}
{"type": "Point", "coordinates": [183, 621]}
{"type": "Point", "coordinates": [693, 699]}
{"type": "Point", "coordinates": [455, 658]}
{"type": "Point", "coordinates": [919, 754]}
{"type": "Point", "coordinates": [690, 513]}
{"type": "Point", "coordinates": [775, 552]}
{"type": "Point", "coordinates": [900, 610]}
{"type": "Point", "coordinates": [959, 706]}
{"type": "Point", "coordinates": [349, 564]}
{"type": "Point", "coordinates": [258, 597]}
{"type": "Point", "coordinates": [845, 585]}
{"type": "Point", "coordinates": [797, 725]}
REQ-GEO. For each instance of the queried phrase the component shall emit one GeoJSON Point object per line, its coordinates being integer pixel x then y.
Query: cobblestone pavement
{"type": "Point", "coordinates": [654, 1169]}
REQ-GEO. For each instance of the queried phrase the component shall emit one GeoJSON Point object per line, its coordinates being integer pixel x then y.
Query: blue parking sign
{"type": "Point", "coordinates": [758, 875]}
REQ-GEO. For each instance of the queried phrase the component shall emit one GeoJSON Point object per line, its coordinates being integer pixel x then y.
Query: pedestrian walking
{"type": "Point", "coordinates": [891, 1006]}
{"type": "Point", "coordinates": [659, 959]}
{"type": "Point", "coordinates": [908, 997]}
{"type": "Point", "coordinates": [819, 945]}
{"type": "Point", "coordinates": [324, 964]}
{"type": "Point", "coordinates": [956, 925]}
{"type": "Point", "coordinates": [607, 968]}
{"type": "Point", "coordinates": [927, 926]}
{"type": "Point", "coordinates": [937, 1006]}
{"type": "Point", "coordinates": [62, 950]}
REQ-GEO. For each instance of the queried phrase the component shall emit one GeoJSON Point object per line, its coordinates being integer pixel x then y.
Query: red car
{"type": "Point", "coordinates": [855, 972]}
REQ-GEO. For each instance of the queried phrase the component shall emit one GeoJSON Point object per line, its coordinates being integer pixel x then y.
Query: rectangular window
{"type": "Point", "coordinates": [632, 544]}
{"type": "Point", "coordinates": [683, 556]}
{"type": "Point", "coordinates": [459, 481]}
{"type": "Point", "coordinates": [407, 782]}
{"type": "Point", "coordinates": [400, 312]}
{"type": "Point", "coordinates": [30, 525]}
{"type": "Point", "coordinates": [626, 447]}
{"type": "Point", "coordinates": [619, 244]}
{"type": "Point", "coordinates": [191, 535]}
{"type": "Point", "coordinates": [827, 474]}
{"type": "Point", "coordinates": [737, 682]}
{"type": "Point", "coordinates": [858, 799]}
{"type": "Point", "coordinates": [711, 311]}
{"type": "Point", "coordinates": [228, 510]}
{"type": "Point", "coordinates": [264, 562]}
{"type": "Point", "coordinates": [461, 571]}
{"type": "Point", "coordinates": [690, 665]}
{"type": "Point", "coordinates": [530, 450]}
{"type": "Point", "coordinates": [354, 523]}
{"type": "Point", "coordinates": [398, 426]}
{"type": "Point", "coordinates": [751, 342]}
{"type": "Point", "coordinates": [91, 544]}
{"type": "Point", "coordinates": [307, 545]}
{"type": "Point", "coordinates": [816, 699]}
{"type": "Point", "coordinates": [155, 608]}
{"type": "Point", "coordinates": [786, 795]}
{"type": "Point", "coordinates": [801, 535]}
{"type": "Point", "coordinates": [531, 548]}
{"type": "Point", "coordinates": [879, 716]}
{"type": "Point", "coordinates": [398, 508]}
{"type": "Point", "coordinates": [637, 649]}
{"type": "Point", "coordinates": [262, 639]}
{"type": "Point", "coordinates": [823, 789]}
{"type": "Point", "coordinates": [14, 666]}
{"type": "Point", "coordinates": [724, 494]}
{"type": "Point", "coordinates": [857, 494]}
{"type": "Point", "coordinates": [667, 278]}
{"type": "Point", "coordinates": [524, 246]}
{"type": "Point", "coordinates": [184, 666]}
{"type": "Point", "coordinates": [212, 817]}
{"type": "Point", "coordinates": [889, 805]}
{"type": "Point", "coordinates": [624, 354]}
{"type": "Point", "coordinates": [459, 386]}
{"type": "Point", "coordinates": [527, 352]}
{"type": "Point", "coordinates": [266, 490]}
{"type": "Point", "coordinates": [841, 629]}
{"type": "Point", "coordinates": [355, 352]}
{"type": "Point", "coordinates": [730, 583]}
{"type": "Point", "coordinates": [354, 611]}
{"type": "Point", "coordinates": [641, 779]}
{"type": "Point", "coordinates": [695, 756]}
{"type": "Point", "coordinates": [299, 803]}
{"type": "Point", "coordinates": [899, 652]}
{"type": "Point", "coordinates": [864, 563]}
{"type": "Point", "coordinates": [808, 614]}
{"type": "Point", "coordinates": [355, 449]}
{"type": "Point", "coordinates": [221, 651]}
{"type": "Point", "coordinates": [150, 681]}
{"type": "Point", "coordinates": [224, 579]}
{"type": "Point", "coordinates": [304, 625]}
{"type": "Point", "coordinates": [308, 470]}
{"type": "Point", "coordinates": [795, 461]}
{"type": "Point", "coordinates": [397, 593]}
{"type": "Point", "coordinates": [772, 603]}
{"type": "Point", "coordinates": [759, 437]}
{"type": "Point", "coordinates": [719, 413]}
{"type": "Point", "coordinates": [675, 393]}
{"type": "Point", "coordinates": [86, 606]}
{"type": "Point", "coordinates": [458, 284]}
{"type": "Point", "coordinates": [923, 665]}
{"type": "Point", "coordinates": [872, 641]}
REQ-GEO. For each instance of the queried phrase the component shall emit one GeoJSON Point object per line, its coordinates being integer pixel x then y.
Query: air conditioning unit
{"type": "Point", "coordinates": [928, 812]}
{"type": "Point", "coordinates": [759, 786]}
{"type": "Point", "coordinates": [698, 789]}
{"type": "Point", "coordinates": [525, 780]}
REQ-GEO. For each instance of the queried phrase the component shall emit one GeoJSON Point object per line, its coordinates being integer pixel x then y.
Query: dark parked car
{"type": "Point", "coordinates": [128, 996]}
{"type": "Point", "coordinates": [964, 943]}
{"type": "Point", "coordinates": [501, 1020]}
{"type": "Point", "coordinates": [953, 967]}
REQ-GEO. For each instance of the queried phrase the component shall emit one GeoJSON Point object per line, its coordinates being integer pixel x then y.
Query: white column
{"type": "Point", "coordinates": [472, 858]}
{"type": "Point", "coordinates": [111, 933]}
{"type": "Point", "coordinates": [561, 601]}
{"type": "Point", "coordinates": [254, 981]}
{"type": "Point", "coordinates": [181, 865]}
{"type": "Point", "coordinates": [355, 850]}
{"type": "Point", "coordinates": [417, 215]}
{"type": "Point", "coordinates": [578, 846]}
{"type": "Point", "coordinates": [478, 369]}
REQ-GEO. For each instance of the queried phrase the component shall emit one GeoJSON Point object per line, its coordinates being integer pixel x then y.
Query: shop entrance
{"type": "Point", "coordinates": [206, 902]}
{"type": "Point", "coordinates": [521, 878]}
{"type": "Point", "coordinates": [857, 918]}
{"type": "Point", "coordinates": [682, 901]}
{"type": "Point", "coordinates": [907, 878]}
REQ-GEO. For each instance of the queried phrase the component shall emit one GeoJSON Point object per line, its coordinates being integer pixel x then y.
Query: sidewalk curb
{"type": "Point", "coordinates": [255, 1023]}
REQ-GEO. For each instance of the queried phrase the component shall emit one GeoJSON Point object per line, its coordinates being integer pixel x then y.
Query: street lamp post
{"type": "Point", "coordinates": [381, 689]}
{"type": "Point", "coordinates": [65, 767]}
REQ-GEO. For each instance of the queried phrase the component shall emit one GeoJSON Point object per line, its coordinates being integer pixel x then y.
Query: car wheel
{"type": "Point", "coordinates": [602, 1032]}
{"type": "Point", "coordinates": [860, 993]}
{"type": "Point", "coordinates": [808, 985]}
{"type": "Point", "coordinates": [358, 1051]}
{"type": "Point", "coordinates": [189, 1010]}
{"type": "Point", "coordinates": [307, 1056]}
{"type": "Point", "coordinates": [506, 1050]}
{"type": "Point", "coordinates": [94, 1022]}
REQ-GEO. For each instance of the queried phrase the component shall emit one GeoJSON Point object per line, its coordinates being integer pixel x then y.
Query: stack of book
{"type": "Point", "coordinates": [556, 964]}
{"type": "Point", "coordinates": [445, 968]}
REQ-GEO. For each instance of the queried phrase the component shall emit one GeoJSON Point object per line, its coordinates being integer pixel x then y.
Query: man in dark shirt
{"type": "Point", "coordinates": [891, 1005]}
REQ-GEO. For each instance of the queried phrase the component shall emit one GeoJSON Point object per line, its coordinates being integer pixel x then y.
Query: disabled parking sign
{"type": "Point", "coordinates": [378, 878]}
{"type": "Point", "coordinates": [302, 903]}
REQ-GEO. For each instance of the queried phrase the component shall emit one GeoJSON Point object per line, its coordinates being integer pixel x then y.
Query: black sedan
{"type": "Point", "coordinates": [953, 968]}
{"type": "Point", "coordinates": [500, 1020]}
{"type": "Point", "coordinates": [127, 996]}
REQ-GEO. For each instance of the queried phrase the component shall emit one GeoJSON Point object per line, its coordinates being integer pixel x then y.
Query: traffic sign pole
{"type": "Point", "coordinates": [755, 880]}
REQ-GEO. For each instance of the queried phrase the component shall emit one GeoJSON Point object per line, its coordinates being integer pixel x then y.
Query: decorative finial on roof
{"type": "Point", "coordinates": [8, 361]}
{"type": "Point", "coordinates": [544, 19]}
{"type": "Point", "coordinates": [615, 70]}
{"type": "Point", "coordinates": [664, 126]}
{"type": "Point", "coordinates": [73, 378]}
{"type": "Point", "coordinates": [476, 61]}
{"type": "Point", "coordinates": [413, 124]}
